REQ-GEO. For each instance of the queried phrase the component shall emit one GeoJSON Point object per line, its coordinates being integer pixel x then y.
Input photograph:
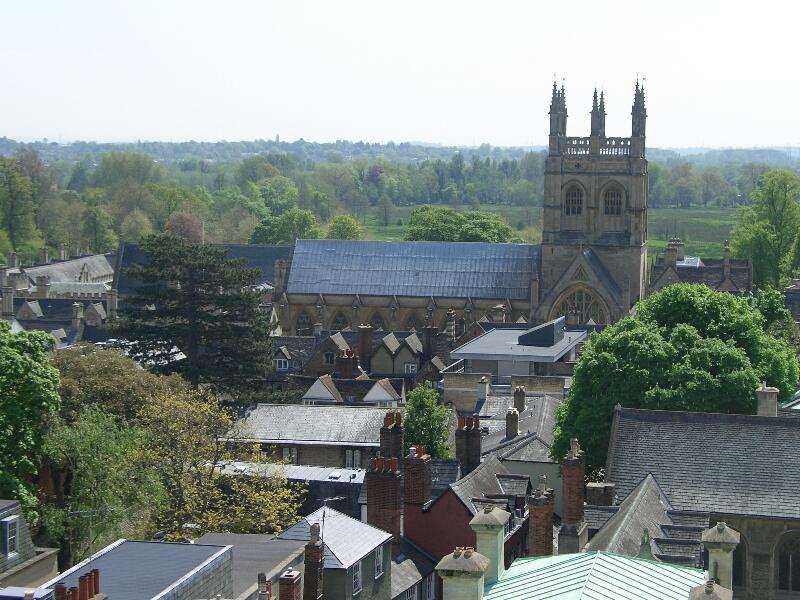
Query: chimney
{"type": "Point", "coordinates": [474, 445]}
{"type": "Point", "coordinates": [671, 254]}
{"type": "Point", "coordinates": [600, 494]}
{"type": "Point", "coordinates": [8, 302]}
{"type": "Point", "coordinates": [346, 362]}
{"type": "Point", "coordinates": [720, 541]}
{"type": "Point", "coordinates": [767, 400]}
{"type": "Point", "coordinates": [383, 496]}
{"type": "Point", "coordinates": [73, 593]}
{"type": "Point", "coordinates": [95, 581]}
{"type": "Point", "coordinates": [462, 574]}
{"type": "Point", "coordinates": [13, 260]}
{"type": "Point", "coordinates": [317, 329]}
{"type": "Point", "coordinates": [483, 388]}
{"type": "Point", "coordinates": [314, 565]}
{"type": "Point", "coordinates": [468, 443]}
{"type": "Point", "coordinates": [365, 345]}
{"type": "Point", "coordinates": [519, 398]}
{"type": "Point", "coordinates": [726, 259]}
{"type": "Point", "coordinates": [60, 591]}
{"type": "Point", "coordinates": [679, 249]}
{"type": "Point", "coordinates": [77, 315]}
{"type": "Point", "coordinates": [391, 435]}
{"type": "Point", "coordinates": [83, 587]}
{"type": "Point", "coordinates": [540, 520]}
{"type": "Point", "coordinates": [512, 423]}
{"type": "Point", "coordinates": [573, 535]}
{"type": "Point", "coordinates": [451, 325]}
{"type": "Point", "coordinates": [429, 336]}
{"type": "Point", "coordinates": [62, 251]}
{"type": "Point", "coordinates": [42, 286]}
{"type": "Point", "coordinates": [265, 587]}
{"type": "Point", "coordinates": [44, 256]}
{"type": "Point", "coordinates": [489, 526]}
{"type": "Point", "coordinates": [290, 585]}
{"type": "Point", "coordinates": [417, 477]}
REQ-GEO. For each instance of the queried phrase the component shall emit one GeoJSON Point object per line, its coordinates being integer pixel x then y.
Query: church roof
{"type": "Point", "coordinates": [710, 271]}
{"type": "Point", "coordinates": [436, 269]}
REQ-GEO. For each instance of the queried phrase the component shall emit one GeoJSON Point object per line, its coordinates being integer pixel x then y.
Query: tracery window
{"type": "Point", "coordinates": [580, 306]}
{"type": "Point", "coordinates": [339, 322]}
{"type": "Point", "coordinates": [412, 323]}
{"type": "Point", "coordinates": [303, 325]}
{"type": "Point", "coordinates": [789, 562]}
{"type": "Point", "coordinates": [377, 322]}
{"type": "Point", "coordinates": [573, 204]}
{"type": "Point", "coordinates": [612, 203]}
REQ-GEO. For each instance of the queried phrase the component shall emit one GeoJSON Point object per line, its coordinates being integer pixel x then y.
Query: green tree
{"type": "Point", "coordinates": [116, 168]}
{"type": "Point", "coordinates": [28, 397]}
{"type": "Point", "coordinates": [687, 348]}
{"type": "Point", "coordinates": [344, 227]}
{"type": "Point", "coordinates": [436, 223]}
{"type": "Point", "coordinates": [206, 308]}
{"type": "Point", "coordinates": [98, 229]}
{"type": "Point", "coordinates": [79, 179]}
{"type": "Point", "coordinates": [294, 224]}
{"type": "Point", "coordinates": [135, 226]}
{"type": "Point", "coordinates": [16, 204]}
{"type": "Point", "coordinates": [279, 194]}
{"type": "Point", "coordinates": [426, 422]}
{"type": "Point", "coordinates": [766, 231]}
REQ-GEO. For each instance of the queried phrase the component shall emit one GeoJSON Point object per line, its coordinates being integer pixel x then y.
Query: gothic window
{"type": "Point", "coordinates": [339, 322]}
{"type": "Point", "coordinates": [412, 324]}
{"type": "Point", "coordinates": [612, 203]}
{"type": "Point", "coordinates": [377, 322]}
{"type": "Point", "coordinates": [303, 325]}
{"type": "Point", "coordinates": [579, 306]}
{"type": "Point", "coordinates": [789, 562]}
{"type": "Point", "coordinates": [573, 204]}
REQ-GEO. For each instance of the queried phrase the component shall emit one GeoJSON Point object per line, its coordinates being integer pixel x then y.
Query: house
{"type": "Point", "coordinates": [334, 436]}
{"type": "Point", "coordinates": [728, 274]}
{"type": "Point", "coordinates": [290, 355]}
{"type": "Point", "coordinates": [686, 471]}
{"type": "Point", "coordinates": [132, 570]}
{"type": "Point", "coordinates": [360, 391]}
{"type": "Point", "coordinates": [22, 564]}
{"type": "Point", "coordinates": [502, 352]}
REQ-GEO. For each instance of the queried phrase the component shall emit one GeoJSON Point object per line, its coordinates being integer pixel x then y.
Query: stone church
{"type": "Point", "coordinates": [590, 267]}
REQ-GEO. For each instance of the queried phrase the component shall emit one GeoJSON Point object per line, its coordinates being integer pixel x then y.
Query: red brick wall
{"type": "Point", "coordinates": [572, 481]}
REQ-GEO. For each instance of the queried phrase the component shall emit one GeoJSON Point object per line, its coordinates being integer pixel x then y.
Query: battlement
{"type": "Point", "coordinates": [608, 146]}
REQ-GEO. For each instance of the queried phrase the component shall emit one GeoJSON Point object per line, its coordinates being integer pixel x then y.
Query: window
{"type": "Point", "coordinates": [328, 358]}
{"type": "Point", "coordinates": [378, 561]}
{"type": "Point", "coordinates": [290, 455]}
{"type": "Point", "coordinates": [356, 578]}
{"type": "Point", "coordinates": [574, 201]}
{"type": "Point", "coordinates": [352, 459]}
{"type": "Point", "coordinates": [281, 364]}
{"type": "Point", "coordinates": [377, 322]}
{"type": "Point", "coordinates": [580, 306]}
{"type": "Point", "coordinates": [612, 203]}
{"type": "Point", "coordinates": [410, 368]}
{"type": "Point", "coordinates": [411, 593]}
{"type": "Point", "coordinates": [430, 588]}
{"type": "Point", "coordinates": [339, 323]}
{"type": "Point", "coordinates": [10, 531]}
{"type": "Point", "coordinates": [304, 326]}
{"type": "Point", "coordinates": [789, 563]}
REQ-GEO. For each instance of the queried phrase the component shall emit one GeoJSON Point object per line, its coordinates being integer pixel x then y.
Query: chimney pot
{"type": "Point", "coordinates": [60, 591]}
{"type": "Point", "coordinates": [289, 585]}
{"type": "Point", "coordinates": [767, 400]}
{"type": "Point", "coordinates": [512, 423]}
{"type": "Point", "coordinates": [519, 399]}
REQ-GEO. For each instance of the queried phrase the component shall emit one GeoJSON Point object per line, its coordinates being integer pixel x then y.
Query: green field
{"type": "Point", "coordinates": [703, 230]}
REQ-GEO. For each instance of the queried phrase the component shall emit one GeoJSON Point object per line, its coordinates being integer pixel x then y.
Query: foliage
{"type": "Point", "coordinates": [28, 397]}
{"type": "Point", "coordinates": [16, 204]}
{"type": "Point", "coordinates": [687, 348]}
{"type": "Point", "coordinates": [206, 308]}
{"type": "Point", "coordinates": [344, 227]}
{"type": "Point", "coordinates": [294, 224]}
{"type": "Point", "coordinates": [443, 224]}
{"type": "Point", "coordinates": [185, 448]}
{"type": "Point", "coordinates": [135, 226]}
{"type": "Point", "coordinates": [426, 422]}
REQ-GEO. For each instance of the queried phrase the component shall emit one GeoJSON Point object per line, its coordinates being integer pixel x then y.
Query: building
{"type": "Point", "coordinates": [22, 564]}
{"type": "Point", "coordinates": [734, 275]}
{"type": "Point", "coordinates": [359, 391]}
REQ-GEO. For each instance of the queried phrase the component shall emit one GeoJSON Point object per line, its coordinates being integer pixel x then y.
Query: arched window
{"type": "Point", "coordinates": [412, 324]}
{"type": "Point", "coordinates": [377, 322]}
{"type": "Point", "coordinates": [789, 562]}
{"type": "Point", "coordinates": [573, 203]}
{"type": "Point", "coordinates": [612, 203]}
{"type": "Point", "coordinates": [303, 325]}
{"type": "Point", "coordinates": [339, 322]}
{"type": "Point", "coordinates": [580, 306]}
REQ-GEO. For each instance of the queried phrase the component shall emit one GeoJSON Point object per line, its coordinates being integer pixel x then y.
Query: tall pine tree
{"type": "Point", "coordinates": [193, 299]}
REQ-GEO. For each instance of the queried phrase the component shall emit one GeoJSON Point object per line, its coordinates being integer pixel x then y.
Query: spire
{"type": "Point", "coordinates": [594, 101]}
{"type": "Point", "coordinates": [598, 119]}
{"type": "Point", "coordinates": [602, 104]}
{"type": "Point", "coordinates": [639, 112]}
{"type": "Point", "coordinates": [554, 101]}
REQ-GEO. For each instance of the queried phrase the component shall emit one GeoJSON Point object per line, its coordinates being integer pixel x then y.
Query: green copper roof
{"type": "Point", "coordinates": [593, 576]}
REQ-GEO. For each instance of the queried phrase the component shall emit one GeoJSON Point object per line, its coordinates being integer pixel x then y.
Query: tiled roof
{"type": "Point", "coordinates": [536, 425]}
{"type": "Point", "coordinates": [593, 576]}
{"type": "Point", "coordinates": [97, 265]}
{"type": "Point", "coordinates": [410, 565]}
{"type": "Point", "coordinates": [437, 269]}
{"type": "Point", "coordinates": [603, 274]}
{"type": "Point", "coordinates": [480, 483]}
{"type": "Point", "coordinates": [299, 424]}
{"type": "Point", "coordinates": [710, 271]}
{"type": "Point", "coordinates": [730, 464]}
{"type": "Point", "coordinates": [346, 539]}
{"type": "Point", "coordinates": [444, 471]}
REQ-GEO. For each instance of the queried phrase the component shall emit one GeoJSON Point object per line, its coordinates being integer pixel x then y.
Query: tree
{"type": "Point", "coordinates": [426, 422]}
{"type": "Point", "coordinates": [98, 229]}
{"type": "Point", "coordinates": [186, 226]}
{"type": "Point", "coordinates": [767, 230]}
{"type": "Point", "coordinates": [79, 179]}
{"type": "Point", "coordinates": [16, 204]}
{"type": "Point", "coordinates": [207, 324]}
{"type": "Point", "coordinates": [447, 225]}
{"type": "Point", "coordinates": [118, 167]}
{"type": "Point", "coordinates": [279, 194]}
{"type": "Point", "coordinates": [186, 449]}
{"type": "Point", "coordinates": [687, 348]}
{"type": "Point", "coordinates": [28, 397]}
{"type": "Point", "coordinates": [344, 227]}
{"type": "Point", "coordinates": [292, 225]}
{"type": "Point", "coordinates": [135, 226]}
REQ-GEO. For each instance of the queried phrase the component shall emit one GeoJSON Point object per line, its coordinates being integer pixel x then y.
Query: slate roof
{"type": "Point", "coordinates": [708, 462]}
{"type": "Point", "coordinates": [710, 271]}
{"type": "Point", "coordinates": [143, 570]}
{"type": "Point", "coordinates": [444, 471]}
{"type": "Point", "coordinates": [70, 270]}
{"type": "Point", "coordinates": [603, 274]}
{"type": "Point", "coordinates": [595, 576]}
{"type": "Point", "coordinates": [76, 287]}
{"type": "Point", "coordinates": [536, 425]}
{"type": "Point", "coordinates": [324, 425]}
{"type": "Point", "coordinates": [299, 347]}
{"type": "Point", "coordinates": [346, 539]}
{"type": "Point", "coordinates": [481, 483]}
{"type": "Point", "coordinates": [349, 390]}
{"type": "Point", "coordinates": [427, 269]}
{"type": "Point", "coordinates": [410, 565]}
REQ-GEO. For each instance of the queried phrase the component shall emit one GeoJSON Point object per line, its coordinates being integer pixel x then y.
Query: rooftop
{"type": "Point", "coordinates": [505, 344]}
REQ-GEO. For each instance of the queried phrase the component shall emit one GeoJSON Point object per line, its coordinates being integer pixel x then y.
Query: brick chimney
{"type": "Point", "coordinates": [720, 541]}
{"type": "Point", "coordinates": [519, 398]}
{"type": "Point", "coordinates": [383, 496]}
{"type": "Point", "coordinates": [767, 401]}
{"type": "Point", "coordinates": [391, 436]}
{"type": "Point", "coordinates": [290, 585]}
{"type": "Point", "coordinates": [600, 493]}
{"type": "Point", "coordinates": [60, 591]}
{"type": "Point", "coordinates": [671, 254]}
{"type": "Point", "coordinates": [462, 574]}
{"type": "Point", "coordinates": [314, 565]}
{"type": "Point", "coordinates": [430, 333]}
{"type": "Point", "coordinates": [365, 345]}
{"type": "Point", "coordinates": [489, 527]}
{"type": "Point", "coordinates": [346, 363]}
{"type": "Point", "coordinates": [573, 535]}
{"type": "Point", "coordinates": [417, 480]}
{"type": "Point", "coordinates": [512, 423]}
{"type": "Point", "coordinates": [540, 517]}
{"type": "Point", "coordinates": [679, 249]}
{"type": "Point", "coordinates": [468, 443]}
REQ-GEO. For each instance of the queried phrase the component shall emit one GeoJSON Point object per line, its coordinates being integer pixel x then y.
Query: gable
{"type": "Point", "coordinates": [319, 391]}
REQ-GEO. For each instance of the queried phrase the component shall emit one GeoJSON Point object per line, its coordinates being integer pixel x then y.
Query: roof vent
{"type": "Point", "coordinates": [335, 475]}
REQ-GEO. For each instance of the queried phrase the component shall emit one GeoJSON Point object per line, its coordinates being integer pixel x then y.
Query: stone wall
{"type": "Point", "coordinates": [539, 383]}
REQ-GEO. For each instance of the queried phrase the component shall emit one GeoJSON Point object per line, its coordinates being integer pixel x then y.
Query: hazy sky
{"type": "Point", "coordinates": [718, 73]}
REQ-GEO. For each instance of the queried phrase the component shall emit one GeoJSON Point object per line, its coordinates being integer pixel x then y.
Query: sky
{"type": "Point", "coordinates": [717, 74]}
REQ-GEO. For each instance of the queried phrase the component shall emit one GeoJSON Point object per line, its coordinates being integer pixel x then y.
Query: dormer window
{"type": "Point", "coordinates": [9, 530]}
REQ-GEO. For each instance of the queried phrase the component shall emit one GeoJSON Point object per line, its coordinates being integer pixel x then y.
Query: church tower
{"type": "Point", "coordinates": [594, 234]}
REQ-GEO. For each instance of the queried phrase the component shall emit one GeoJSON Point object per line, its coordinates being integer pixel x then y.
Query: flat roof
{"type": "Point", "coordinates": [502, 344]}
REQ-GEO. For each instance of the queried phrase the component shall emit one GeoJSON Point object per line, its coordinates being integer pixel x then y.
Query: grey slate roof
{"type": "Point", "coordinates": [97, 265]}
{"type": "Point", "coordinates": [720, 463]}
{"type": "Point", "coordinates": [480, 483]}
{"type": "Point", "coordinates": [299, 424]}
{"type": "Point", "coordinates": [710, 271]}
{"type": "Point", "coordinates": [444, 471]}
{"type": "Point", "coordinates": [346, 539]}
{"type": "Point", "coordinates": [410, 565]}
{"type": "Point", "coordinates": [437, 269]}
{"type": "Point", "coordinates": [603, 274]}
{"type": "Point", "coordinates": [142, 570]}
{"type": "Point", "coordinates": [536, 425]}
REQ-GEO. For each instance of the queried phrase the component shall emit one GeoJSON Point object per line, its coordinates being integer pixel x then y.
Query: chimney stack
{"type": "Point", "coordinates": [512, 423]}
{"type": "Point", "coordinates": [314, 565]}
{"type": "Point", "coordinates": [726, 259]}
{"type": "Point", "coordinates": [42, 286]}
{"type": "Point", "coordinates": [671, 254]}
{"type": "Point", "coordinates": [13, 260]}
{"type": "Point", "coordinates": [430, 333]}
{"type": "Point", "coordinates": [720, 541]}
{"type": "Point", "coordinates": [265, 587]}
{"type": "Point", "coordinates": [483, 388]}
{"type": "Point", "coordinates": [519, 398]}
{"type": "Point", "coordinates": [83, 587]}
{"type": "Point", "coordinates": [290, 585]}
{"type": "Point", "coordinates": [346, 364]}
{"type": "Point", "coordinates": [317, 329]}
{"type": "Point", "coordinates": [44, 256]}
{"type": "Point", "coordinates": [540, 520]}
{"type": "Point", "coordinates": [383, 496]}
{"type": "Point", "coordinates": [573, 535]}
{"type": "Point", "coordinates": [7, 302]}
{"type": "Point", "coordinates": [365, 345]}
{"type": "Point", "coordinates": [62, 251]}
{"type": "Point", "coordinates": [417, 480]}
{"type": "Point", "coordinates": [600, 494]}
{"type": "Point", "coordinates": [489, 526]}
{"type": "Point", "coordinates": [767, 400]}
{"type": "Point", "coordinates": [679, 249]}
{"type": "Point", "coordinates": [468, 443]}
{"type": "Point", "coordinates": [391, 435]}
{"type": "Point", "coordinates": [462, 574]}
{"type": "Point", "coordinates": [77, 315]}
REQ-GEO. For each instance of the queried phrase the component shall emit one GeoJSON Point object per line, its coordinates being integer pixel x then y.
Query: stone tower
{"type": "Point", "coordinates": [594, 238]}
